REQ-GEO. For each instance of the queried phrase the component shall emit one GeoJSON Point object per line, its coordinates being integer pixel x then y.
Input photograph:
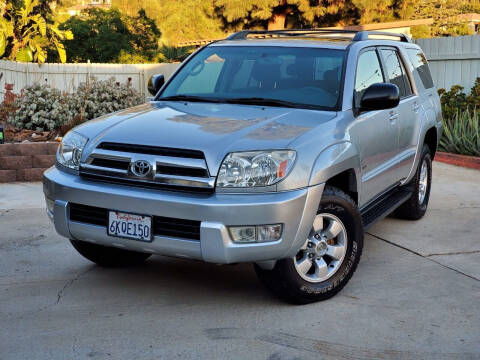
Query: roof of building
{"type": "Point", "coordinates": [475, 17]}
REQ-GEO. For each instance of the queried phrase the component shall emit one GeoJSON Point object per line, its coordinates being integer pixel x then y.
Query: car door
{"type": "Point", "coordinates": [408, 112]}
{"type": "Point", "coordinates": [374, 132]}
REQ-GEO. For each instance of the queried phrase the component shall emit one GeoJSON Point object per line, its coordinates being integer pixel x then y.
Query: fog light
{"type": "Point", "coordinates": [243, 234]}
{"type": "Point", "coordinates": [259, 233]}
{"type": "Point", "coordinates": [267, 233]}
{"type": "Point", "coordinates": [50, 204]}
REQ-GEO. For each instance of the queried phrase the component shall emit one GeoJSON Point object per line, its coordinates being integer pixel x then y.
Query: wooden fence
{"type": "Point", "coordinates": [67, 77]}
{"type": "Point", "coordinates": [453, 60]}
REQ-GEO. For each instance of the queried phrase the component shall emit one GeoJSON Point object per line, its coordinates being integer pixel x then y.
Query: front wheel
{"type": "Point", "coordinates": [108, 256]}
{"type": "Point", "coordinates": [328, 258]}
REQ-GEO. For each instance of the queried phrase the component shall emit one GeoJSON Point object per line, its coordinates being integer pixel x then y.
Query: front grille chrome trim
{"type": "Point", "coordinates": [102, 169]}
{"type": "Point", "coordinates": [185, 181]}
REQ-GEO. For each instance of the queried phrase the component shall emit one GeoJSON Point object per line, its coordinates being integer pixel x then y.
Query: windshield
{"type": "Point", "coordinates": [277, 76]}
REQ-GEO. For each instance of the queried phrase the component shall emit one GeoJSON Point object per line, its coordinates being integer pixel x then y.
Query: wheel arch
{"type": "Point", "coordinates": [338, 165]}
{"type": "Point", "coordinates": [431, 140]}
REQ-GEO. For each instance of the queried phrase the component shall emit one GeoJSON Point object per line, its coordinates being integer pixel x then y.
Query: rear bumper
{"type": "Point", "coordinates": [294, 209]}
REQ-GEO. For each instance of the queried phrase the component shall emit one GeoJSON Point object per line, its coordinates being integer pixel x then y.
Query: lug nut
{"type": "Point", "coordinates": [310, 256]}
{"type": "Point", "coordinates": [310, 244]}
{"type": "Point", "coordinates": [317, 236]}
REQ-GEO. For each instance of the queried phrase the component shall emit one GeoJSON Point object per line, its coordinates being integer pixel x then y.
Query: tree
{"type": "Point", "coordinates": [178, 20]}
{"type": "Point", "coordinates": [102, 35]}
{"type": "Point", "coordinates": [145, 33]}
{"type": "Point", "coordinates": [444, 14]}
{"type": "Point", "coordinates": [27, 31]}
{"type": "Point", "coordinates": [278, 14]}
{"type": "Point", "coordinates": [368, 11]}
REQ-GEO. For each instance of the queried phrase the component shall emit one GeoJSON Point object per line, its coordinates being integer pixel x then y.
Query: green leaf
{"type": "Point", "coordinates": [3, 44]}
{"type": "Point", "coordinates": [62, 54]}
{"type": "Point", "coordinates": [42, 25]}
{"type": "Point", "coordinates": [41, 55]}
{"type": "Point", "coordinates": [68, 35]}
{"type": "Point", "coordinates": [24, 55]}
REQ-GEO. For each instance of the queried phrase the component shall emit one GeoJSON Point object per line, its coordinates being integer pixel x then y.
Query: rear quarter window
{"type": "Point", "coordinates": [420, 64]}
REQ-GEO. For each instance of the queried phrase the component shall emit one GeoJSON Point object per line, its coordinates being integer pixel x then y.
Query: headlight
{"type": "Point", "coordinates": [70, 150]}
{"type": "Point", "coordinates": [255, 168]}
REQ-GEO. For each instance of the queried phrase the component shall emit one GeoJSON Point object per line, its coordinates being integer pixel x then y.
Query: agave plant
{"type": "Point", "coordinates": [462, 133]}
{"type": "Point", "coordinates": [29, 33]}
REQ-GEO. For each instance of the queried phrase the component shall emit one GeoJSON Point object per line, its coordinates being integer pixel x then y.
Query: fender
{"type": "Point", "coordinates": [335, 159]}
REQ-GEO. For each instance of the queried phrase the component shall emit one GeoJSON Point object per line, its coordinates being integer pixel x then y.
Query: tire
{"type": "Point", "coordinates": [288, 281]}
{"type": "Point", "coordinates": [416, 207]}
{"type": "Point", "coordinates": [108, 256]}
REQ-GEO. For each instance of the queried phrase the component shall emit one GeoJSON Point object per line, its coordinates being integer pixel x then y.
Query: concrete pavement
{"type": "Point", "coordinates": [415, 294]}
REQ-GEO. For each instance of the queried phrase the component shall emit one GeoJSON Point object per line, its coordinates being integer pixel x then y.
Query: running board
{"type": "Point", "coordinates": [384, 206]}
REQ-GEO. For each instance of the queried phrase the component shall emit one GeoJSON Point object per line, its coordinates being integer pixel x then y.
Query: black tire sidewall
{"type": "Point", "coordinates": [425, 157]}
{"type": "Point", "coordinates": [347, 212]}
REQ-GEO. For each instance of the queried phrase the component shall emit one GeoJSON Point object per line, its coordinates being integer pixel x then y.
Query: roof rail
{"type": "Point", "coordinates": [336, 33]}
{"type": "Point", "coordinates": [242, 35]}
{"type": "Point", "coordinates": [365, 35]}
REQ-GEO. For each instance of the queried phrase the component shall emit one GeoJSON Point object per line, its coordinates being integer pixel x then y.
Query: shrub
{"type": "Point", "coordinates": [462, 133]}
{"type": "Point", "coordinates": [456, 100]}
{"type": "Point", "coordinates": [41, 107]}
{"type": "Point", "coordinates": [453, 101]}
{"type": "Point", "coordinates": [97, 98]}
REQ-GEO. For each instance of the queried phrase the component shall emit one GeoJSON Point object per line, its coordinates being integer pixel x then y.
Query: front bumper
{"type": "Point", "coordinates": [295, 209]}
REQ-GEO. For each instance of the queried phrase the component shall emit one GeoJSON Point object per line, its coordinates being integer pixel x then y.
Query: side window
{"type": "Point", "coordinates": [420, 64]}
{"type": "Point", "coordinates": [368, 72]}
{"type": "Point", "coordinates": [396, 72]}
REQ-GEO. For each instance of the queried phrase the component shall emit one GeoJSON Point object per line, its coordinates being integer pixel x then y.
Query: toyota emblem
{"type": "Point", "coordinates": [141, 168]}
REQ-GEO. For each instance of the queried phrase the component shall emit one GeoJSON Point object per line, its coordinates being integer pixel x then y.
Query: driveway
{"type": "Point", "coordinates": [415, 294]}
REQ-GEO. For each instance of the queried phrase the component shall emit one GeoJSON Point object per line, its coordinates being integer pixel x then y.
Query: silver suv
{"type": "Point", "coordinates": [278, 148]}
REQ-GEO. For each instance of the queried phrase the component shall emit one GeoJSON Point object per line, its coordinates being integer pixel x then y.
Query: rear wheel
{"type": "Point", "coordinates": [416, 207]}
{"type": "Point", "coordinates": [108, 256]}
{"type": "Point", "coordinates": [328, 258]}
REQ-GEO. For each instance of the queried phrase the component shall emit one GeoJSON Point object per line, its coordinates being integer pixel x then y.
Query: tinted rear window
{"type": "Point", "coordinates": [420, 63]}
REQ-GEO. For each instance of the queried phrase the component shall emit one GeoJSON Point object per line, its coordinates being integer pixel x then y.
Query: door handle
{"type": "Point", "coordinates": [393, 116]}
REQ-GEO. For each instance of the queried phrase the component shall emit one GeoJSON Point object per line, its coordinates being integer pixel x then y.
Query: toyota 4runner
{"type": "Point", "coordinates": [277, 148]}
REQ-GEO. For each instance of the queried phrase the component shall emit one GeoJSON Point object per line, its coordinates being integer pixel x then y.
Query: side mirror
{"type": "Point", "coordinates": [380, 96]}
{"type": "Point", "coordinates": [155, 83]}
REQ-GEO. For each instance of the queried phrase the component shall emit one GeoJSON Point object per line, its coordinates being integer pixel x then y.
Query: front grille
{"type": "Point", "coordinates": [143, 184]}
{"type": "Point", "coordinates": [151, 150]}
{"type": "Point", "coordinates": [161, 226]}
{"type": "Point", "coordinates": [110, 163]}
{"type": "Point", "coordinates": [89, 214]}
{"type": "Point", "coordinates": [172, 169]}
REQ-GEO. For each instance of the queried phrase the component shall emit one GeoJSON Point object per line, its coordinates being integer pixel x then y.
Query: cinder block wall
{"type": "Point", "coordinates": [26, 161]}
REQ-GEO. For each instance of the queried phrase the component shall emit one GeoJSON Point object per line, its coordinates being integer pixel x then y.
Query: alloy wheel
{"type": "Point", "coordinates": [324, 250]}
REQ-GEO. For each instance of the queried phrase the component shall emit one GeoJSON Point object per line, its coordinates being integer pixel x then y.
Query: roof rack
{"type": "Point", "coordinates": [337, 34]}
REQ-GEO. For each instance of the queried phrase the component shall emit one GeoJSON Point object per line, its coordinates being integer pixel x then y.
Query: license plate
{"type": "Point", "coordinates": [130, 226]}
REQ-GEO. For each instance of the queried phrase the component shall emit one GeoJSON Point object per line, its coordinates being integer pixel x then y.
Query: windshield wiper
{"type": "Point", "coordinates": [188, 98]}
{"type": "Point", "coordinates": [262, 101]}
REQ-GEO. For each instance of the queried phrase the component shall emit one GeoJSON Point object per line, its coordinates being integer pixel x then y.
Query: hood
{"type": "Point", "coordinates": [214, 129]}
